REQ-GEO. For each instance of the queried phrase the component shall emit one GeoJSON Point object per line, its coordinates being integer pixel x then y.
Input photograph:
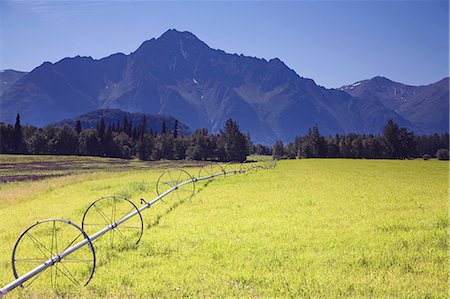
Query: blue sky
{"type": "Point", "coordinates": [332, 42]}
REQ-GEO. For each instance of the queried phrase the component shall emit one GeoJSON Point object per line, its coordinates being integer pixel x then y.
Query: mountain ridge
{"type": "Point", "coordinates": [178, 74]}
{"type": "Point", "coordinates": [425, 105]}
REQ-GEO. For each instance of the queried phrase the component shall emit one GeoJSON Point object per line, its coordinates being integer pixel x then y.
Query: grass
{"type": "Point", "coordinates": [308, 228]}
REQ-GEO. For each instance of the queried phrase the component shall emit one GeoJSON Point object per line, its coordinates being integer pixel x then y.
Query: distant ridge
{"type": "Point", "coordinates": [426, 106]}
{"type": "Point", "coordinates": [114, 116]}
{"type": "Point", "coordinates": [178, 74]}
{"type": "Point", "coordinates": [8, 78]}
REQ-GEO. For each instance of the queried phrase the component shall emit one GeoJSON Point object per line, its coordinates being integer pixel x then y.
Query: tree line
{"type": "Point", "coordinates": [123, 140]}
{"type": "Point", "coordinates": [394, 143]}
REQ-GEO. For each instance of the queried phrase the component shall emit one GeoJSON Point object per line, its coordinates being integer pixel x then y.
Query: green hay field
{"type": "Point", "coordinates": [307, 228]}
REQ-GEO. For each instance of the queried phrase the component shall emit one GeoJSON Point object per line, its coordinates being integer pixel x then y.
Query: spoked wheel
{"type": "Point", "coordinates": [44, 242]}
{"type": "Point", "coordinates": [170, 179]}
{"type": "Point", "coordinates": [245, 167]}
{"type": "Point", "coordinates": [107, 211]}
{"type": "Point", "coordinates": [253, 167]}
{"type": "Point", "coordinates": [210, 169]}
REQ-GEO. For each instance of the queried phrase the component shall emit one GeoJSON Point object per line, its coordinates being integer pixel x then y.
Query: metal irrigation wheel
{"type": "Point", "coordinates": [107, 211]}
{"type": "Point", "coordinates": [44, 242]}
{"type": "Point", "coordinates": [244, 168]}
{"type": "Point", "coordinates": [269, 164]}
{"type": "Point", "coordinates": [172, 178]}
{"type": "Point", "coordinates": [209, 170]}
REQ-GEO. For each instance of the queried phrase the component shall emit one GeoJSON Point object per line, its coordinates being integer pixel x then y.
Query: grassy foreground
{"type": "Point", "coordinates": [308, 228]}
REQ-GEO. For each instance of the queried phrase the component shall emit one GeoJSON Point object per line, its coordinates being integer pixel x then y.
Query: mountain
{"type": "Point", "coordinates": [178, 74]}
{"type": "Point", "coordinates": [8, 78]}
{"type": "Point", "coordinates": [114, 116]}
{"type": "Point", "coordinates": [427, 107]}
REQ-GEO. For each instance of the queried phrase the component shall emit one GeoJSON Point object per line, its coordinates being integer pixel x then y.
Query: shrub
{"type": "Point", "coordinates": [442, 154]}
{"type": "Point", "coordinates": [426, 157]}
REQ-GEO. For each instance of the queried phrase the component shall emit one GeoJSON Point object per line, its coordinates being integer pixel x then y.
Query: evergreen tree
{"type": "Point", "coordinates": [7, 139]}
{"type": "Point", "coordinates": [179, 148]}
{"type": "Point", "coordinates": [66, 141]}
{"type": "Point", "coordinates": [108, 146]}
{"type": "Point", "coordinates": [38, 143]}
{"type": "Point", "coordinates": [332, 147]}
{"type": "Point", "coordinates": [135, 134]}
{"type": "Point", "coordinates": [278, 150]}
{"type": "Point", "coordinates": [19, 146]}
{"type": "Point", "coordinates": [164, 128]}
{"type": "Point", "coordinates": [220, 151]}
{"type": "Point", "coordinates": [316, 145]}
{"type": "Point", "coordinates": [127, 126]}
{"type": "Point", "coordinates": [391, 138]}
{"type": "Point", "coordinates": [235, 142]}
{"type": "Point", "coordinates": [144, 125]}
{"type": "Point", "coordinates": [163, 148]}
{"type": "Point", "coordinates": [144, 147]}
{"type": "Point", "coordinates": [101, 128]}
{"type": "Point", "coordinates": [200, 146]}
{"type": "Point", "coordinates": [78, 127]}
{"type": "Point", "coordinates": [399, 143]}
{"type": "Point", "coordinates": [357, 147]}
{"type": "Point", "coordinates": [89, 143]}
{"type": "Point", "coordinates": [175, 129]}
{"type": "Point", "coordinates": [408, 147]}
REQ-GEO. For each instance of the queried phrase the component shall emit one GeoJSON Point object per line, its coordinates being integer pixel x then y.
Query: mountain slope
{"type": "Point", "coordinates": [178, 74]}
{"type": "Point", "coordinates": [427, 107]}
{"type": "Point", "coordinates": [8, 78]}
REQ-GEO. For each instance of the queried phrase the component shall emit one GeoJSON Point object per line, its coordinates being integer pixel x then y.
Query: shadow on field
{"type": "Point", "coordinates": [173, 207]}
{"type": "Point", "coordinates": [108, 254]}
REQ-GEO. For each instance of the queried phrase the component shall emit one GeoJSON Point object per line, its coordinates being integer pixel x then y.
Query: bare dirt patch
{"type": "Point", "coordinates": [28, 178]}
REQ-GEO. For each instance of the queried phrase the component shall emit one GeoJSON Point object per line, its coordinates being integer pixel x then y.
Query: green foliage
{"type": "Point", "coordinates": [442, 154]}
{"type": "Point", "coordinates": [278, 150]}
{"type": "Point", "coordinates": [307, 228]}
{"type": "Point", "coordinates": [234, 141]}
{"type": "Point", "coordinates": [78, 127]}
{"type": "Point", "coordinates": [399, 143]}
{"type": "Point", "coordinates": [66, 141]}
{"type": "Point", "coordinates": [426, 157]}
{"type": "Point", "coordinates": [395, 143]}
{"type": "Point", "coordinates": [201, 146]}
{"type": "Point", "coordinates": [126, 141]}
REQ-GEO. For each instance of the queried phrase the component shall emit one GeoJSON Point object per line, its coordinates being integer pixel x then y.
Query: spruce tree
{"type": "Point", "coordinates": [143, 127]}
{"type": "Point", "coordinates": [101, 128]}
{"type": "Point", "coordinates": [392, 138]}
{"type": "Point", "coordinates": [175, 129]}
{"type": "Point", "coordinates": [78, 127]}
{"type": "Point", "coordinates": [164, 128]}
{"type": "Point", "coordinates": [236, 143]}
{"type": "Point", "coordinates": [18, 137]}
{"type": "Point", "coordinates": [278, 150]}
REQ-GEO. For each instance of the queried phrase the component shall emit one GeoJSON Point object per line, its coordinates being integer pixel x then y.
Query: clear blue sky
{"type": "Point", "coordinates": [332, 42]}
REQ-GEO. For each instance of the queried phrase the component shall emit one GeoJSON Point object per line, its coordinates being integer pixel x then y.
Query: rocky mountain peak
{"type": "Point", "coordinates": [177, 74]}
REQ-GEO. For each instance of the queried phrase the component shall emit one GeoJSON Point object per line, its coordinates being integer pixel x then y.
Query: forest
{"type": "Point", "coordinates": [123, 140]}
{"type": "Point", "coordinates": [394, 143]}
